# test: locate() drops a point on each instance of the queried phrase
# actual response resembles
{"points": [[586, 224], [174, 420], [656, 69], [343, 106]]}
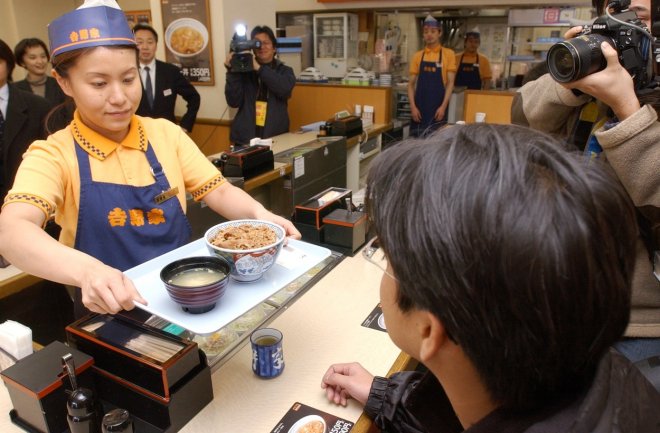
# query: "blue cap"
{"points": [[89, 27], [429, 21]]}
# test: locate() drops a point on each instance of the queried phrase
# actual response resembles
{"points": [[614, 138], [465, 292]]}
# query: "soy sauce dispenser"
{"points": [[81, 404]]}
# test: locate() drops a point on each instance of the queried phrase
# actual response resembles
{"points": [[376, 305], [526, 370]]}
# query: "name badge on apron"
{"points": [[261, 113]]}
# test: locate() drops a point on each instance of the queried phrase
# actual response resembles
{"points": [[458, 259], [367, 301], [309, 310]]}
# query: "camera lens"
{"points": [[576, 58]]}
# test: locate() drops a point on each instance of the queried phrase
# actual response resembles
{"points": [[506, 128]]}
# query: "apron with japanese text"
{"points": [[468, 74], [429, 94], [125, 225]]}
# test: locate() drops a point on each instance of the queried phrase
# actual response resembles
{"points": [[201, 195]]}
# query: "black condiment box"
{"points": [[247, 162], [38, 387], [148, 359], [164, 390], [345, 229], [312, 211]]}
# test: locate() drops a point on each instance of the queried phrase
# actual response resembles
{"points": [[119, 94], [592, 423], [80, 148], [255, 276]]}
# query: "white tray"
{"points": [[295, 259]]}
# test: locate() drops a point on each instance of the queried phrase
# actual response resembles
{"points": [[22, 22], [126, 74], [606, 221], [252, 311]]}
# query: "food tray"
{"points": [[295, 259]]}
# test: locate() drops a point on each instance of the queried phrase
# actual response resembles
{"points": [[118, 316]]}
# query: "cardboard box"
{"points": [[37, 387]]}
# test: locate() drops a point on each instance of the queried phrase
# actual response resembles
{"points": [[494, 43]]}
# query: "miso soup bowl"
{"points": [[196, 299], [247, 265]]}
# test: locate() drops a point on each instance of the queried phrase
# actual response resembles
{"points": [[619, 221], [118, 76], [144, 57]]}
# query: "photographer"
{"points": [[608, 121], [267, 87]]}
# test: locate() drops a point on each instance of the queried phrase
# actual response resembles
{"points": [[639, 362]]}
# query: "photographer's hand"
{"points": [[613, 85], [255, 64], [228, 59]]}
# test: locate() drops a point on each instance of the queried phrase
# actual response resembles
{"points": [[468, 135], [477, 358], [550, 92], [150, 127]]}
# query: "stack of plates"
{"points": [[385, 79]]}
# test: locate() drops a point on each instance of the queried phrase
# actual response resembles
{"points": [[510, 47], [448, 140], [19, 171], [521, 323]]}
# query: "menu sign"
{"points": [[305, 419], [375, 319], [187, 38]]}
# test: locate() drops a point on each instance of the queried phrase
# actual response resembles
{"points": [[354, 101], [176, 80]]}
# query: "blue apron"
{"points": [[124, 225], [429, 94], [468, 74]]}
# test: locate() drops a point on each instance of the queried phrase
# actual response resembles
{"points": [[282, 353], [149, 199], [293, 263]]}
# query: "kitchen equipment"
{"points": [[247, 162], [312, 74], [358, 77]]}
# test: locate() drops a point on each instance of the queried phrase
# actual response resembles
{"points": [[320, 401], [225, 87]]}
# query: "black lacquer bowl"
{"points": [[196, 283]]}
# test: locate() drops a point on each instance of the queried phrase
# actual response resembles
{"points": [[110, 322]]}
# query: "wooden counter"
{"points": [[13, 280], [320, 328]]}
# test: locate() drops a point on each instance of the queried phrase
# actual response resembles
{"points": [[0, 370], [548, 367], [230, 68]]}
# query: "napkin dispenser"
{"points": [[160, 378], [38, 389], [349, 126], [247, 162]]}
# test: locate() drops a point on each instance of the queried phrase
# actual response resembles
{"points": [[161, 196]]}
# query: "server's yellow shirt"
{"points": [[432, 55], [49, 177], [485, 71]]}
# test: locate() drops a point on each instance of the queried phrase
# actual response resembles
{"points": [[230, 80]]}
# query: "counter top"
{"points": [[322, 327]]}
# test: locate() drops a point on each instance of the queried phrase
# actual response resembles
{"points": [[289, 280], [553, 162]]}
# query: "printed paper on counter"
{"points": [[306, 419]]}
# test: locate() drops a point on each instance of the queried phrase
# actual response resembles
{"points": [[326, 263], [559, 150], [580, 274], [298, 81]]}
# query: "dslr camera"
{"points": [[242, 48], [576, 58]]}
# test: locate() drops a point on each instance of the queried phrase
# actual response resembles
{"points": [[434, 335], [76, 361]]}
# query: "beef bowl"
{"points": [[196, 283], [250, 246]]}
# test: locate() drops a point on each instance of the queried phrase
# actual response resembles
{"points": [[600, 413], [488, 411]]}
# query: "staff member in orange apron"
{"points": [[431, 83], [116, 182], [473, 68]]}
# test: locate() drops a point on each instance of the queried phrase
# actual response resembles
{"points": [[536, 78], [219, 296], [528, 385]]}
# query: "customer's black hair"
{"points": [[268, 31], [8, 56], [22, 47], [144, 26], [522, 250]]}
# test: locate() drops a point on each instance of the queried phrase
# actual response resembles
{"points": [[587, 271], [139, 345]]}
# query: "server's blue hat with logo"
{"points": [[95, 23], [429, 21]]}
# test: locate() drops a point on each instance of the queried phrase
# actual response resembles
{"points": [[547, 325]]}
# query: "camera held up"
{"points": [[580, 56], [242, 48]]}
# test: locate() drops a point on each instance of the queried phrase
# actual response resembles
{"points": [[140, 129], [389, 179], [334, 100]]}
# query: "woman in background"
{"points": [[32, 54]]}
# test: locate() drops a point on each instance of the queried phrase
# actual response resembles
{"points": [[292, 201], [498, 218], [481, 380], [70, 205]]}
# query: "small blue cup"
{"points": [[267, 355]]}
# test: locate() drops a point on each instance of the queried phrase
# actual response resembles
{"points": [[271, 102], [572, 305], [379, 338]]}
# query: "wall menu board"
{"points": [[187, 37]]}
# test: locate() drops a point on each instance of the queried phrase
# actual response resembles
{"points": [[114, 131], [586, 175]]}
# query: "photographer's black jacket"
{"points": [[242, 89]]}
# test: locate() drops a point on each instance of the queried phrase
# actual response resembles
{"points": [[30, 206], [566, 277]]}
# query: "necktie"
{"points": [[2, 127], [149, 89]]}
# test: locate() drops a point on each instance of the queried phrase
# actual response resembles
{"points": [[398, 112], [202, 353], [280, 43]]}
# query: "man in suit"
{"points": [[162, 82]]}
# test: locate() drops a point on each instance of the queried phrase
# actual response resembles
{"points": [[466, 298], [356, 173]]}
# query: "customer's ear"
{"points": [[432, 336]]}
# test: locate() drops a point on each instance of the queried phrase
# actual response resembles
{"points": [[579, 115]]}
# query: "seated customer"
{"points": [[508, 276]]}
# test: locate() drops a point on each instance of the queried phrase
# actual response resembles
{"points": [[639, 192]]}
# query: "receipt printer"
{"points": [[349, 126], [247, 162]]}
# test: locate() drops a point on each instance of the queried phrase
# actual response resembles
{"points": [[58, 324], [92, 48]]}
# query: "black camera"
{"points": [[242, 48], [576, 58]]}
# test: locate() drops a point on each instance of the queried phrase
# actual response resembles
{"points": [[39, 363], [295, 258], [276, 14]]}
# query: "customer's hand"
{"points": [[613, 85], [344, 381]]}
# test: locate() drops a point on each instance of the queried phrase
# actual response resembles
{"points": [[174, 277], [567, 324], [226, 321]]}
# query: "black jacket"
{"points": [[170, 82], [61, 117], [620, 399], [24, 124], [241, 91]]}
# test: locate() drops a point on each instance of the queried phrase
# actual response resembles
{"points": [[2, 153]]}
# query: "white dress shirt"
{"points": [[4, 100]]}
